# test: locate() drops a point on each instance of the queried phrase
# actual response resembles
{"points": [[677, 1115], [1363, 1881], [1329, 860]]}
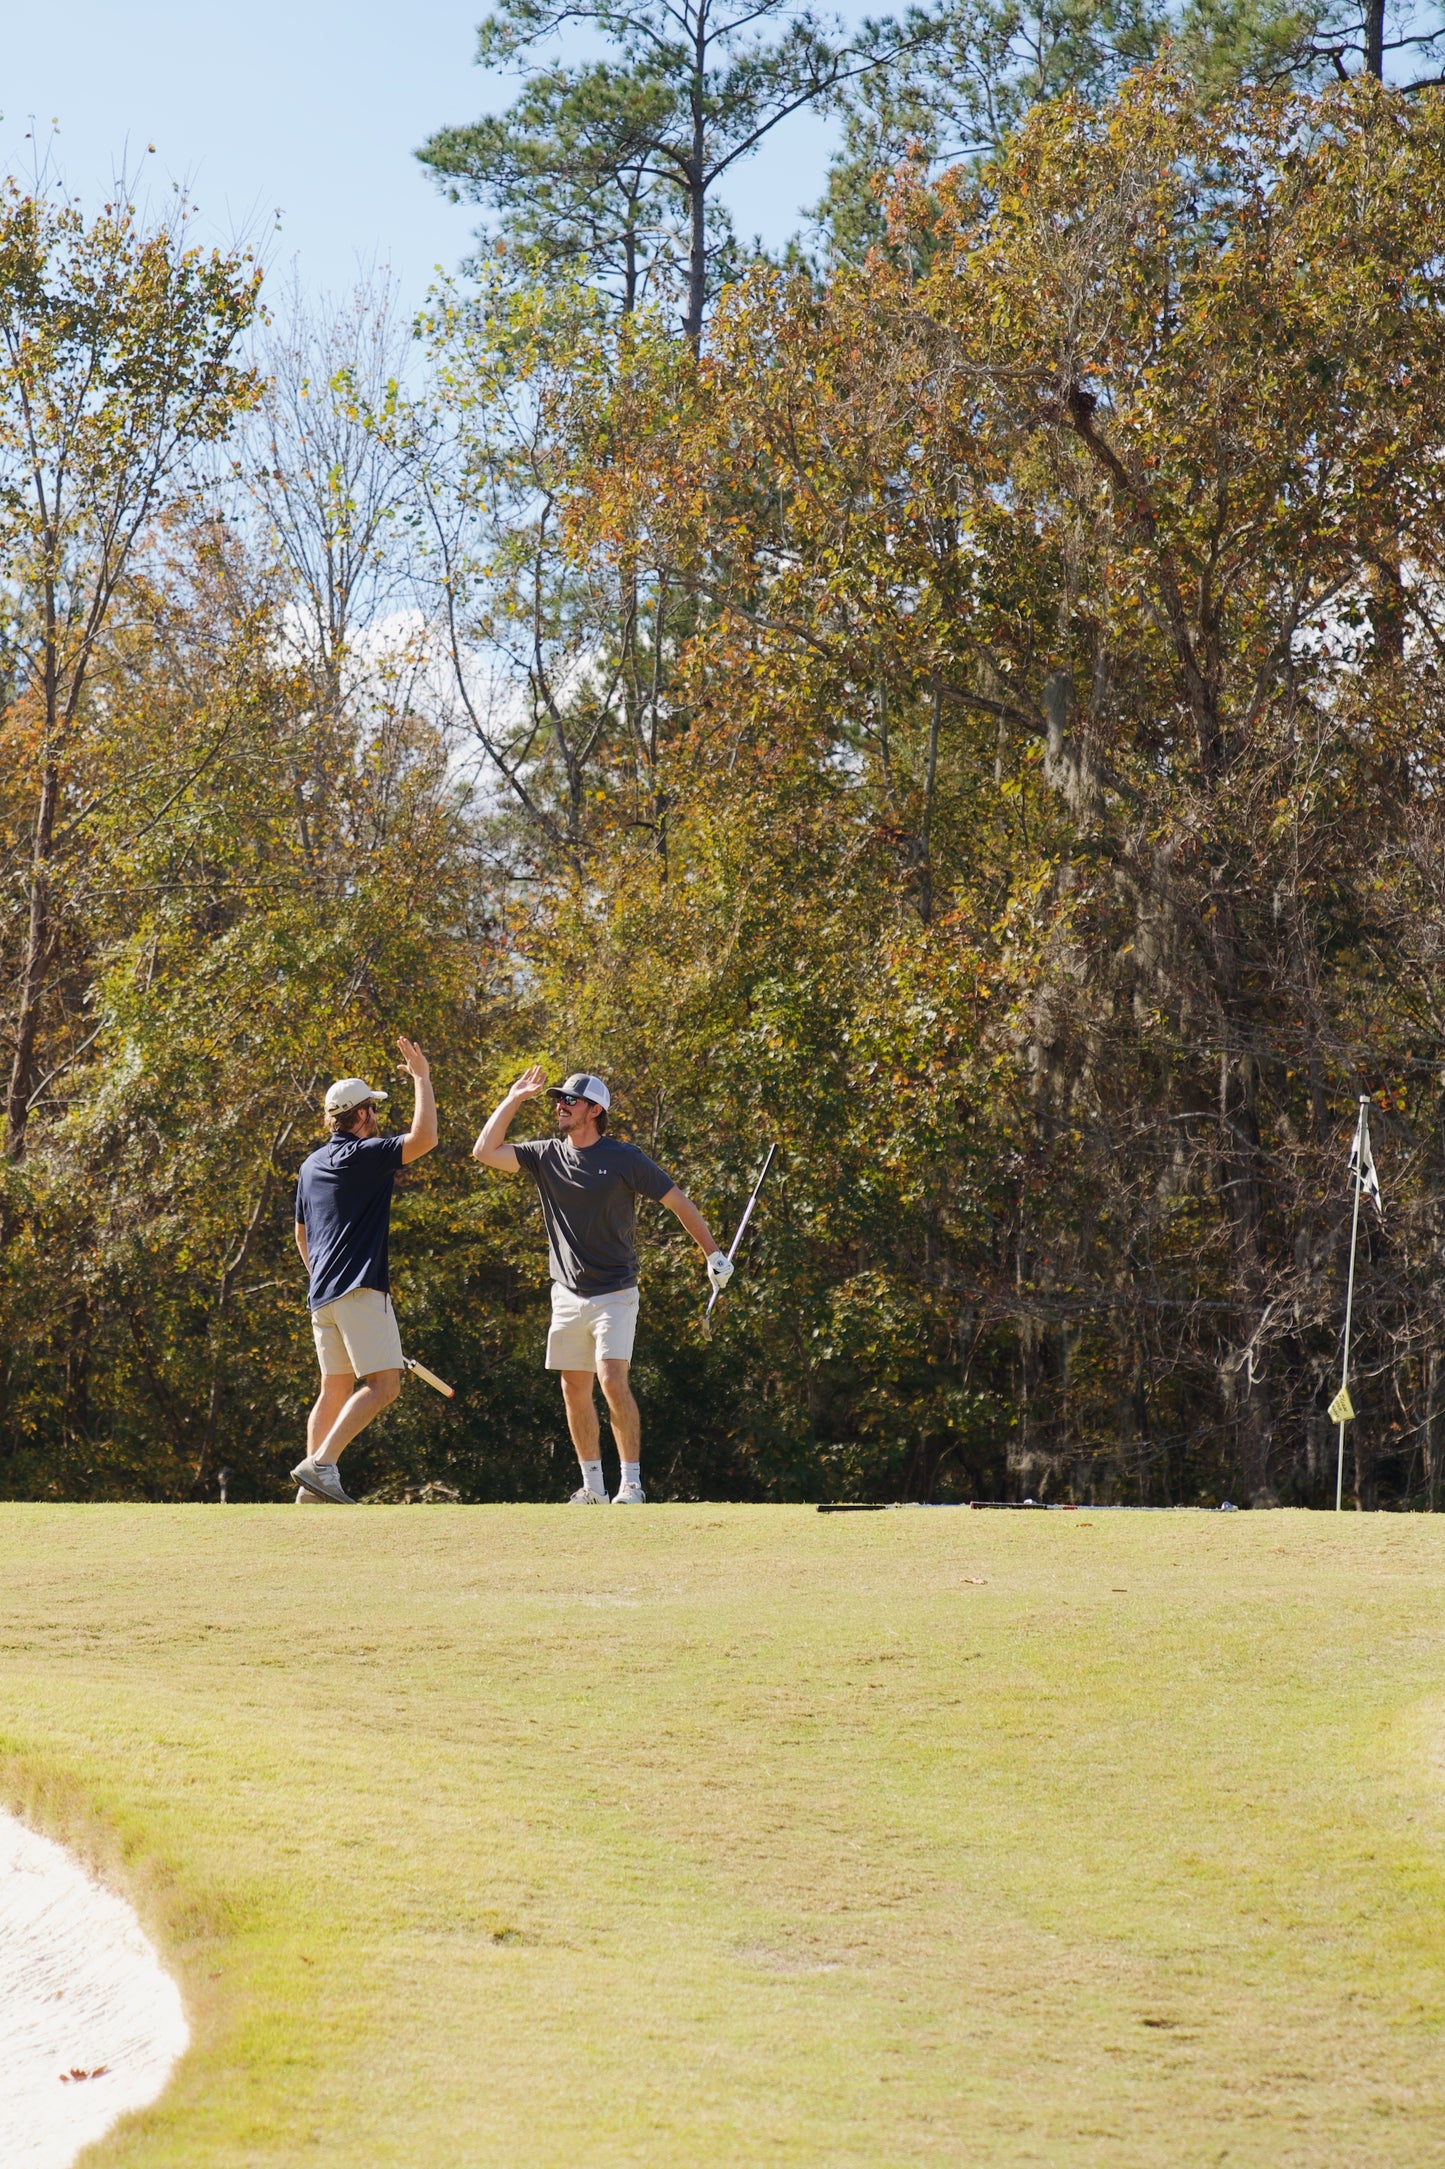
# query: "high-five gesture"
{"points": [[413, 1061], [491, 1148], [422, 1135]]}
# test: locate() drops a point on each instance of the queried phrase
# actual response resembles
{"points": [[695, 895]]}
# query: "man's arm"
{"points": [[301, 1244], [491, 1148], [691, 1219], [422, 1135]]}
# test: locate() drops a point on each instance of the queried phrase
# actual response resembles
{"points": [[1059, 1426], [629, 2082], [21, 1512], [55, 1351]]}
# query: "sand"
{"points": [[91, 2024]]}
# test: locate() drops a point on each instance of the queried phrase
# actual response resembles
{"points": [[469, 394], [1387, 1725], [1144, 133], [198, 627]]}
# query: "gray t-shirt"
{"points": [[589, 1202]]}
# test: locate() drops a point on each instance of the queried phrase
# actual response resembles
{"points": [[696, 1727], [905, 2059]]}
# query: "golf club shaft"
{"points": [[742, 1224]]}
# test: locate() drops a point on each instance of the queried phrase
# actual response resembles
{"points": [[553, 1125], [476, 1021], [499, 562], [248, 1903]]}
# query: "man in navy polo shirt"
{"points": [[343, 1224]]}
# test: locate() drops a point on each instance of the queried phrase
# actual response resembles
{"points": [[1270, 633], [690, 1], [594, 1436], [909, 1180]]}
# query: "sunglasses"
{"points": [[568, 1099]]}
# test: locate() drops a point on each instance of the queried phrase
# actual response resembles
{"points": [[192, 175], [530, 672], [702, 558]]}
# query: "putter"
{"points": [[747, 1216], [429, 1378]]}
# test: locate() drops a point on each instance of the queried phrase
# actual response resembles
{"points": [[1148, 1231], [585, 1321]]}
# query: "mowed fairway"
{"points": [[732, 1835]]}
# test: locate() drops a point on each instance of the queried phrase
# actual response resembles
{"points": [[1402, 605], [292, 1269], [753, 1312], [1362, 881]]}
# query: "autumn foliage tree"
{"points": [[118, 362], [977, 724], [1097, 558]]}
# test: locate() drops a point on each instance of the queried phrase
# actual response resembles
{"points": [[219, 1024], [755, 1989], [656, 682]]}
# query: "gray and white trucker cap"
{"points": [[585, 1086]]}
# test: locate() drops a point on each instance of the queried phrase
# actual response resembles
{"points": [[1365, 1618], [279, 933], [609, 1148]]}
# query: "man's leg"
{"points": [[335, 1393], [317, 1474], [621, 1407], [612, 1376], [356, 1339], [581, 1413], [372, 1395], [333, 1397], [585, 1433]]}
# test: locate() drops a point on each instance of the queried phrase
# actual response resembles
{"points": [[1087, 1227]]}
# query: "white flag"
{"points": [[1362, 1158]]}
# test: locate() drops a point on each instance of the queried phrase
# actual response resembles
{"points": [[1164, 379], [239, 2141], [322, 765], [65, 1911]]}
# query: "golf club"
{"points": [[747, 1216], [429, 1378]]}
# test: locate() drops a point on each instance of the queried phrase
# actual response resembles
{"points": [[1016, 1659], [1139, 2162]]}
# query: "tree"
{"points": [[320, 468], [571, 173], [1389, 43], [590, 159], [968, 74], [230, 942], [1121, 489], [965, 74], [530, 635], [118, 359], [603, 176]]}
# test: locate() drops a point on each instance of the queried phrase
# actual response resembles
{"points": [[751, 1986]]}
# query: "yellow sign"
{"points": [[1342, 1408]]}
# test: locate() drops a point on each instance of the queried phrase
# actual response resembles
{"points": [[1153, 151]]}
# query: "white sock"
{"points": [[632, 1472], [592, 1479]]}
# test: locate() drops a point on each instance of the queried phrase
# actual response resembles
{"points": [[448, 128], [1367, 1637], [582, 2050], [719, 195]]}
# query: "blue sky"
{"points": [[309, 110]]}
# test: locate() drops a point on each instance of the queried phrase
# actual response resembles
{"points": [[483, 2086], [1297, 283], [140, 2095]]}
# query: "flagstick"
{"points": [[1350, 1291]]}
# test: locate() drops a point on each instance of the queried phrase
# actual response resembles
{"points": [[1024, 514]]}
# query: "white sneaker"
{"points": [[584, 1497], [307, 1498], [322, 1478], [630, 1495]]}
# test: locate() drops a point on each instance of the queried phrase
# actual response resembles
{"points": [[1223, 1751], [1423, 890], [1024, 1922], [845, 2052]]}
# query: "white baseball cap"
{"points": [[583, 1086], [349, 1092]]}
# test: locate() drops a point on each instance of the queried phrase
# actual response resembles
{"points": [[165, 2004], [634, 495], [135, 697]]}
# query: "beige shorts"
{"points": [[357, 1335], [588, 1328]]}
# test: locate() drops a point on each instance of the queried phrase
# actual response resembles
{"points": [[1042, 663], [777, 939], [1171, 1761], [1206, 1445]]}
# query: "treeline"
{"points": [[961, 702]]}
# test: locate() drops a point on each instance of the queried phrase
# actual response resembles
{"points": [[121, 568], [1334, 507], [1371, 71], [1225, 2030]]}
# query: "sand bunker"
{"points": [[90, 2022]]}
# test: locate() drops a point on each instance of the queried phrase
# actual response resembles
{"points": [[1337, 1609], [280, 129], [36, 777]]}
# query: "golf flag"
{"points": [[1362, 1158], [1362, 1169]]}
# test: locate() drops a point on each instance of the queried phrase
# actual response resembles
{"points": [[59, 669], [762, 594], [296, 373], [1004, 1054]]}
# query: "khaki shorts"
{"points": [[586, 1329], [357, 1335]]}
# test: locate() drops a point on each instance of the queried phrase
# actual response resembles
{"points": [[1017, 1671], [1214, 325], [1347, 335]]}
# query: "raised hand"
{"points": [[413, 1061], [531, 1082]]}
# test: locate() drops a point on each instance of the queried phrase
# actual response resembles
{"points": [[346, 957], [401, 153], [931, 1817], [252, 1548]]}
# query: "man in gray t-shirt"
{"points": [[589, 1206], [589, 1185]]}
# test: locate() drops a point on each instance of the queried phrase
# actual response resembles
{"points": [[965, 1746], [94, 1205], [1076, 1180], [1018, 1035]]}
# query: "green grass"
{"points": [[733, 1835]]}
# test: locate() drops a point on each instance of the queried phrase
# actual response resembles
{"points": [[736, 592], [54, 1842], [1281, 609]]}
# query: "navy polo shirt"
{"points": [[343, 1200]]}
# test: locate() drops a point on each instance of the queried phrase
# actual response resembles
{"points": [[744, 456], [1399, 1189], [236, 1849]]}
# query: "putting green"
{"points": [[732, 1835]]}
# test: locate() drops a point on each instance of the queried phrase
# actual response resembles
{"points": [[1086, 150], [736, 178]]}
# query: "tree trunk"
{"points": [[697, 192], [1240, 1155], [230, 1273], [923, 848], [1139, 1413], [1432, 1444], [1366, 1492], [35, 969], [77, 1376], [1375, 39], [696, 256]]}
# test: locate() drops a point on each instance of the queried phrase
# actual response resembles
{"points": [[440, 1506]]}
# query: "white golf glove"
{"points": [[719, 1270]]}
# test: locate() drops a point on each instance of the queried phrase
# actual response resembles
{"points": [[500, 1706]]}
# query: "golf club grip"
{"points": [[429, 1378]]}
